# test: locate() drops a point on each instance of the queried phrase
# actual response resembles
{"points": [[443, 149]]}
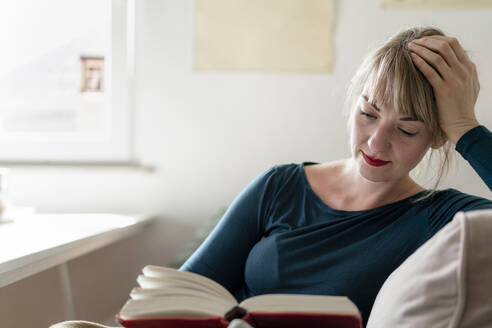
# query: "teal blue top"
{"points": [[279, 237]]}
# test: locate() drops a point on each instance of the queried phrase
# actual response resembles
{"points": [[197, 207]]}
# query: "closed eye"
{"points": [[366, 114], [408, 133]]}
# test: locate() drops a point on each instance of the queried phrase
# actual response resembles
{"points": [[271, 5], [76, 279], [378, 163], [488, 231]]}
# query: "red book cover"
{"points": [[291, 320], [257, 320], [170, 322]]}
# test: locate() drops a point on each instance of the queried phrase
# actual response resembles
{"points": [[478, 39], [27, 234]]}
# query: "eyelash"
{"points": [[404, 132]]}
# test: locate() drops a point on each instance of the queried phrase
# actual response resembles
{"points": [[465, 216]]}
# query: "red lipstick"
{"points": [[374, 161]]}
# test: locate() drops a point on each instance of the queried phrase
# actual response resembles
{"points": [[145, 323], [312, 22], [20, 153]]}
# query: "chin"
{"points": [[373, 177], [373, 174]]}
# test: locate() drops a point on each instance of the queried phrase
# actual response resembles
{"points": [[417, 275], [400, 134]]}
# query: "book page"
{"points": [[150, 283], [181, 306], [157, 277], [297, 303], [146, 293]]}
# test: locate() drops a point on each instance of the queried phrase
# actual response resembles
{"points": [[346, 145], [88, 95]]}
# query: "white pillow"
{"points": [[447, 282]]}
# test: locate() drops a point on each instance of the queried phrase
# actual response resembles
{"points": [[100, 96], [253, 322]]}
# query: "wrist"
{"points": [[457, 132]]}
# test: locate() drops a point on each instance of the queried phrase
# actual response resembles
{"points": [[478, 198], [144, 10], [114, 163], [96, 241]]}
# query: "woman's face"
{"points": [[385, 145]]}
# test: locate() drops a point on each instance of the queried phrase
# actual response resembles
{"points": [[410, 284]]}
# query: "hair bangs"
{"points": [[394, 80]]}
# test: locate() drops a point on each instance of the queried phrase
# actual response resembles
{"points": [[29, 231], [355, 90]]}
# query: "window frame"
{"points": [[118, 147]]}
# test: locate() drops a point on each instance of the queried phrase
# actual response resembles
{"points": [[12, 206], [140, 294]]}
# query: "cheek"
{"points": [[356, 137], [358, 131], [414, 154]]}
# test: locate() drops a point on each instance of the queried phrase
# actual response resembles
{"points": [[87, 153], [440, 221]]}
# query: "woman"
{"points": [[340, 228]]}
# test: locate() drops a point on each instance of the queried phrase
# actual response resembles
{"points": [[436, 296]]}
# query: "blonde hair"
{"points": [[389, 76]]}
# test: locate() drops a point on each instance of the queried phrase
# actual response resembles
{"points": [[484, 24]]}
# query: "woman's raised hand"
{"points": [[454, 79]]}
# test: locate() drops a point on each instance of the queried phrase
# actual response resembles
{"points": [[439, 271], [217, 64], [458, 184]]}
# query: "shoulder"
{"points": [[330, 168], [287, 175], [278, 173], [313, 171], [454, 194], [444, 204], [289, 169]]}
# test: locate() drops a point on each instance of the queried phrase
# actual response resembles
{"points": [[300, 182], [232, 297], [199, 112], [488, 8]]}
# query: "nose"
{"points": [[380, 140]]}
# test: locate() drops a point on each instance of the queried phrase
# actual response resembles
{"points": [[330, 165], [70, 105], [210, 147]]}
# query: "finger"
{"points": [[436, 60], [440, 46], [458, 50], [429, 72]]}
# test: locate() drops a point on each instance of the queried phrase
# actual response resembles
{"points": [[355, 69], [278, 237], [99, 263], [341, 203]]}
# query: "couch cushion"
{"points": [[447, 282]]}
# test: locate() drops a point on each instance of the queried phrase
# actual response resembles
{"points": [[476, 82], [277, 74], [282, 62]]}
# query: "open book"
{"points": [[171, 298]]}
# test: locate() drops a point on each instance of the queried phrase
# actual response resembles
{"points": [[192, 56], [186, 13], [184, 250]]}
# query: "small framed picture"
{"points": [[92, 74]]}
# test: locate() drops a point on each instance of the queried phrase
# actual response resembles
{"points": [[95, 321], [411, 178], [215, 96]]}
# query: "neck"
{"points": [[372, 194]]}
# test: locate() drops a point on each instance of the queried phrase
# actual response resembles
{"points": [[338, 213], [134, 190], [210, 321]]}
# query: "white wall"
{"points": [[209, 134]]}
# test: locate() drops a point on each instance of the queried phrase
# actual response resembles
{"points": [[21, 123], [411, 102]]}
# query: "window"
{"points": [[65, 80]]}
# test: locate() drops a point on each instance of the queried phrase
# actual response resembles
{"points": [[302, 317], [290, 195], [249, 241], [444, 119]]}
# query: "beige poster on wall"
{"points": [[264, 35], [437, 4]]}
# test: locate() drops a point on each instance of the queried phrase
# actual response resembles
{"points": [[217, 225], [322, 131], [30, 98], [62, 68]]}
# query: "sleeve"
{"points": [[476, 147], [222, 256], [444, 207]]}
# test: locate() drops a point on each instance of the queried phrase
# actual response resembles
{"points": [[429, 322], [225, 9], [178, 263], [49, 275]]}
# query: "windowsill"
{"points": [[130, 165], [36, 242]]}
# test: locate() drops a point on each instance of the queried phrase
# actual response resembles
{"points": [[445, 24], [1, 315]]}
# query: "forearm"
{"points": [[476, 147]]}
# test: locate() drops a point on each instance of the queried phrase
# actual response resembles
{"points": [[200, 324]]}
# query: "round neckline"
{"points": [[319, 200]]}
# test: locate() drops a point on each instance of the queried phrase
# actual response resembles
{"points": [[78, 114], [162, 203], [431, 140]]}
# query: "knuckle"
{"points": [[441, 45], [444, 47], [439, 60]]}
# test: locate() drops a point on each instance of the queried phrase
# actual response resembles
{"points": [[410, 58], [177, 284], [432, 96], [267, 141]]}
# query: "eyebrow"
{"points": [[406, 118]]}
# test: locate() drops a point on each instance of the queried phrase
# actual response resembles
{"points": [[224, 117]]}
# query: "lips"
{"points": [[374, 161]]}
